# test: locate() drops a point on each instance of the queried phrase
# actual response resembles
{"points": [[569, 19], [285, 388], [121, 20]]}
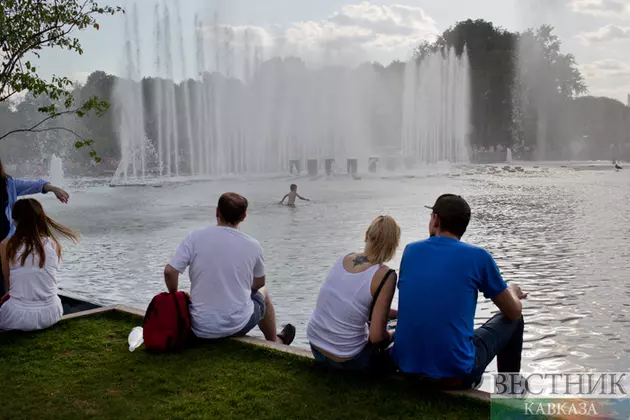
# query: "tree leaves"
{"points": [[26, 29]]}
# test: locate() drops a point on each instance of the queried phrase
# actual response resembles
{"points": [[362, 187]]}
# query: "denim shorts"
{"points": [[361, 361], [257, 316]]}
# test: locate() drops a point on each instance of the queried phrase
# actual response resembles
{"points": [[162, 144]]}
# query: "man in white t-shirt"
{"points": [[228, 297]]}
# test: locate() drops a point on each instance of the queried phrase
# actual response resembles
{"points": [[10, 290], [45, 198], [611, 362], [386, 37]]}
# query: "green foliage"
{"points": [[491, 52], [27, 28], [542, 47], [519, 81]]}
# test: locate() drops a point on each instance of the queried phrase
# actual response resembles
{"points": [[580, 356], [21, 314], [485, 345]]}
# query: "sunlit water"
{"points": [[564, 235]]}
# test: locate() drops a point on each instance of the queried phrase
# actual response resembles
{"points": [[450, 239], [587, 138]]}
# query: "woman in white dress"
{"points": [[30, 260]]}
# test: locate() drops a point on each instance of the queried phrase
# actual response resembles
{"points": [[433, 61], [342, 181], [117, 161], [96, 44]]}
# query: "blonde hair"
{"points": [[382, 239]]}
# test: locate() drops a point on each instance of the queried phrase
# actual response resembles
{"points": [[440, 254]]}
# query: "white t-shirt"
{"points": [[223, 263]]}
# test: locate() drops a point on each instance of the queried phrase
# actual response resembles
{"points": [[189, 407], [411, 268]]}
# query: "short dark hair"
{"points": [[454, 213], [232, 208], [293, 187]]}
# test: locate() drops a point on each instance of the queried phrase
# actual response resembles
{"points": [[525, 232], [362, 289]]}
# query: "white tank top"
{"points": [[31, 284], [339, 323]]}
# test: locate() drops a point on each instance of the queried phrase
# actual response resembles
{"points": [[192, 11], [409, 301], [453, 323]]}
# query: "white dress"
{"points": [[34, 304]]}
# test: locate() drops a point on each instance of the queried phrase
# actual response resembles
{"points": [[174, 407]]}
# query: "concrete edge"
{"points": [[276, 346], [88, 312], [129, 310], [474, 394]]}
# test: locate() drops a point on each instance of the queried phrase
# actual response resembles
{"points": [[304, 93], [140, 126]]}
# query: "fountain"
{"points": [[240, 114], [55, 174], [436, 109], [508, 158]]}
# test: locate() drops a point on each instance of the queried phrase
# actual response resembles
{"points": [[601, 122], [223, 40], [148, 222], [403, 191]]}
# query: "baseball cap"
{"points": [[451, 206]]}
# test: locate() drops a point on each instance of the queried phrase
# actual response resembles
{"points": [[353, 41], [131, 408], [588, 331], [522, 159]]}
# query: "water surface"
{"points": [[564, 235]]}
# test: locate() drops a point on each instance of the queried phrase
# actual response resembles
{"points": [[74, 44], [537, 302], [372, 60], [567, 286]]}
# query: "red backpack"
{"points": [[166, 324]]}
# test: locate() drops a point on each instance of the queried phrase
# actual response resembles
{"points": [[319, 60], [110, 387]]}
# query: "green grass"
{"points": [[83, 369]]}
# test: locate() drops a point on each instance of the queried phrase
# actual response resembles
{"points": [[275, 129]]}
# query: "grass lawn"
{"points": [[82, 368]]}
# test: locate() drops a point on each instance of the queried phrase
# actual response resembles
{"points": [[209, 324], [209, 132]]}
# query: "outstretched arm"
{"points": [[284, 198], [26, 187], [302, 198], [59, 193]]}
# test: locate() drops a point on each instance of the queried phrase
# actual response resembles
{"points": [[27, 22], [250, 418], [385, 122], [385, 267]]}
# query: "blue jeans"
{"points": [[500, 338], [259, 313], [362, 361]]}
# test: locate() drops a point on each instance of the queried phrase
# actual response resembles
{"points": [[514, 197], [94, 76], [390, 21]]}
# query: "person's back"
{"points": [[30, 260], [438, 288], [440, 279], [354, 303], [31, 284], [227, 275], [223, 264], [339, 322]]}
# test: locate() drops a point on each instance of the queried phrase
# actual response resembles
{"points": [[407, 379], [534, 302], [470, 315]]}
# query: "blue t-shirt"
{"points": [[439, 283]]}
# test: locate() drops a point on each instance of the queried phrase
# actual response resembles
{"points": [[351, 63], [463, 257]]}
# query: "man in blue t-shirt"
{"points": [[439, 282]]}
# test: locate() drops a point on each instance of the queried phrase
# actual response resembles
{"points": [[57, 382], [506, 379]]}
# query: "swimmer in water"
{"points": [[292, 195]]}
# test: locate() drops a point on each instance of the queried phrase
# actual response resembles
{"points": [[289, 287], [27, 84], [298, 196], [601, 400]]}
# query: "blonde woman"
{"points": [[349, 323]]}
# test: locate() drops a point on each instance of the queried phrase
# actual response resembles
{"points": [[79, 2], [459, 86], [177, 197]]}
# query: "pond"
{"points": [[562, 233]]}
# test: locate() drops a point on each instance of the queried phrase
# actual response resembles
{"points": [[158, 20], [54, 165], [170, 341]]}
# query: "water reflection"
{"points": [[563, 235]]}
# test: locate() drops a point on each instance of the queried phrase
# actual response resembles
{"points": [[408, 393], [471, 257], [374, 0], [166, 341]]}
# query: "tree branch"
{"points": [[7, 95], [86, 142], [43, 130], [34, 129]]}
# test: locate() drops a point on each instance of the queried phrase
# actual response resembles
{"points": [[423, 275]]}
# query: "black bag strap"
{"points": [[378, 292]]}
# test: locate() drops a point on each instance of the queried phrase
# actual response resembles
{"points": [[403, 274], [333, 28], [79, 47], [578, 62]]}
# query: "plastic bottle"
{"points": [[136, 338]]}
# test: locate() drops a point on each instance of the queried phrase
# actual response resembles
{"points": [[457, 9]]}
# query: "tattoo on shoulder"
{"points": [[360, 259]]}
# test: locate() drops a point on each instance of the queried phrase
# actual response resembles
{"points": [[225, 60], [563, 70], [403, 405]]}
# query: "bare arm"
{"points": [[302, 198], [171, 278], [382, 308], [59, 193], [259, 283], [178, 264], [5, 265], [509, 302], [284, 198]]}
